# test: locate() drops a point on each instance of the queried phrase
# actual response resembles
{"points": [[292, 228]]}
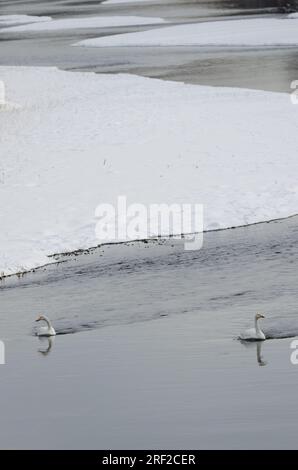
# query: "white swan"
{"points": [[45, 330], [254, 334]]}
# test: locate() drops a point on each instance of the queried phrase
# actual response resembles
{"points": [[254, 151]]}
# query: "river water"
{"points": [[147, 354]]}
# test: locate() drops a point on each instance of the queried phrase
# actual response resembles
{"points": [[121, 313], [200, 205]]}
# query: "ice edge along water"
{"points": [[244, 32], [80, 23], [80, 139], [12, 20]]}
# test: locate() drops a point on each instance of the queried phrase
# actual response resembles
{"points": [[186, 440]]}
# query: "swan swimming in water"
{"points": [[254, 334], [45, 330]]}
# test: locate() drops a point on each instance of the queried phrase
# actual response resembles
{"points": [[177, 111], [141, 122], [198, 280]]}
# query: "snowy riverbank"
{"points": [[82, 139], [244, 32], [13, 20], [49, 24]]}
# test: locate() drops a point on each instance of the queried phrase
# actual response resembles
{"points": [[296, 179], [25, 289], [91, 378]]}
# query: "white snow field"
{"points": [[4, 105], [246, 32], [84, 23], [2, 93], [81, 139], [11, 20]]}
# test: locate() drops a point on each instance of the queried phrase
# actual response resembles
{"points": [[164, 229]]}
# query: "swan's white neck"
{"points": [[258, 329], [47, 322]]}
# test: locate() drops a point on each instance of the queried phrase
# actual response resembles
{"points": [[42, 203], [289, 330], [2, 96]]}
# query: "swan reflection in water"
{"points": [[258, 345], [47, 343]]}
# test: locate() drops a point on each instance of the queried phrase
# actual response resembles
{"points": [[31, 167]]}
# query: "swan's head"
{"points": [[41, 317], [259, 315]]}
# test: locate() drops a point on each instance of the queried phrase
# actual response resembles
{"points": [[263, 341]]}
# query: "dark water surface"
{"points": [[153, 361]]}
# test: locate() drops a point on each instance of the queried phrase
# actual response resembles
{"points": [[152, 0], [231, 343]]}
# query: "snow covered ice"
{"points": [[81, 139], [81, 23], [2, 93], [12, 20], [244, 32]]}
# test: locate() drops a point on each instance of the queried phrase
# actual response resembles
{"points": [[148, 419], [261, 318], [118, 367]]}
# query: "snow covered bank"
{"points": [[4, 105], [84, 23], [247, 32], [11, 20], [82, 139], [2, 93]]}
